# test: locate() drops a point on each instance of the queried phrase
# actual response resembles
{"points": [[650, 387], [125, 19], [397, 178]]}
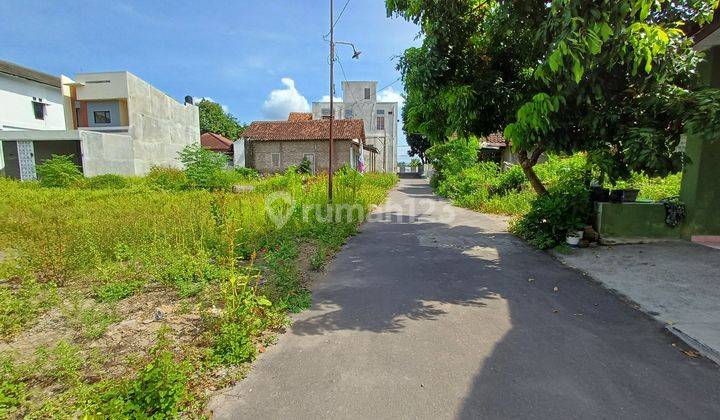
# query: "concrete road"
{"points": [[437, 312]]}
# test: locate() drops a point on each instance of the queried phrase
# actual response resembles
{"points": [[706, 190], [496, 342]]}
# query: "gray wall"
{"points": [[159, 125]]}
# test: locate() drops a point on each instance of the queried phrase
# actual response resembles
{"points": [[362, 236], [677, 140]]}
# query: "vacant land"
{"points": [[137, 298]]}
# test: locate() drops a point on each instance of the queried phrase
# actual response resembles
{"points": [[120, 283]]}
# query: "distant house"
{"points": [[360, 101], [112, 123], [217, 143], [273, 146]]}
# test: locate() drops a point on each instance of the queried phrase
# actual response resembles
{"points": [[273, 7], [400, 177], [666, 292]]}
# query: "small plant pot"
{"points": [[600, 194], [616, 196], [630, 195], [574, 238]]}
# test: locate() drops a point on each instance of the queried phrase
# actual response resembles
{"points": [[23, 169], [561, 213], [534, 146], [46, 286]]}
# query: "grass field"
{"points": [[138, 298]]}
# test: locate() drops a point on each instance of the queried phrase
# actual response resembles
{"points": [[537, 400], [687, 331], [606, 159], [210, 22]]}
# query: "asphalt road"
{"points": [[437, 312]]}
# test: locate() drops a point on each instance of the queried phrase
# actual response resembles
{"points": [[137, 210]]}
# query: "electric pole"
{"points": [[332, 111]]}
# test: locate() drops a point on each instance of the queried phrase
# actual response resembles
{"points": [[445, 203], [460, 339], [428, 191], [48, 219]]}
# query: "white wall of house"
{"points": [[16, 105], [360, 101]]}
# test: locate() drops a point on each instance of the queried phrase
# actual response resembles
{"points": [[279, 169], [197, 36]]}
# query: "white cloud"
{"points": [[326, 98], [391, 95], [282, 102], [197, 99]]}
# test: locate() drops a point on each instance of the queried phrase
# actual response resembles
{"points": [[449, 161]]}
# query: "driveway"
{"points": [[676, 282], [437, 312]]}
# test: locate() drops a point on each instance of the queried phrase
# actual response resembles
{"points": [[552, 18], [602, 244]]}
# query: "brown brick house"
{"points": [[273, 146]]}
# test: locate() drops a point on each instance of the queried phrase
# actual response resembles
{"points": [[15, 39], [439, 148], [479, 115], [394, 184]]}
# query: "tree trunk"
{"points": [[527, 163]]}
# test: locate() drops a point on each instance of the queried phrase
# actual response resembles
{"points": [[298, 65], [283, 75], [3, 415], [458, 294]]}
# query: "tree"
{"points": [[615, 79], [213, 119], [418, 143]]}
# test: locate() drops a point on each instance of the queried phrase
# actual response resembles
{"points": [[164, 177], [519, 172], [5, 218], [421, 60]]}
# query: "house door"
{"points": [[26, 159]]}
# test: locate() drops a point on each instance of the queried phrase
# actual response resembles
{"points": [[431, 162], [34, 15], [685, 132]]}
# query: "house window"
{"points": [[275, 159], [39, 110], [348, 114], [381, 112], [326, 112], [380, 123], [101, 117], [367, 93]]}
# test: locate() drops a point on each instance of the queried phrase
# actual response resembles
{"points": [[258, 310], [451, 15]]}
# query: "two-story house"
{"points": [[111, 122], [359, 101]]}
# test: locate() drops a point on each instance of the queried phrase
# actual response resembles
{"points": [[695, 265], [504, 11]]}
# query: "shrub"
{"points": [[233, 345], [168, 179], [107, 181], [564, 208], [246, 174], [305, 167], [481, 176], [512, 179], [117, 291], [206, 169], [59, 171], [161, 386]]}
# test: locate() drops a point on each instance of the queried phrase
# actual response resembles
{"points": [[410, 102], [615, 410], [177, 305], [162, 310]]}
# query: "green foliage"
{"points": [[161, 386], [564, 208], [513, 179], [305, 167], [246, 174], [617, 80], [414, 163], [117, 291], [654, 189], [213, 119], [205, 169], [81, 251], [233, 345], [168, 179], [108, 181], [59, 171]]}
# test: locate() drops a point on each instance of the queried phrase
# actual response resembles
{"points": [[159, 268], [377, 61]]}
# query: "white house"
{"points": [[381, 119], [111, 122]]}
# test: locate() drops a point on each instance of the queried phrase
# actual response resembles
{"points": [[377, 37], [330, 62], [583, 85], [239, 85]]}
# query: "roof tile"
{"points": [[305, 130]]}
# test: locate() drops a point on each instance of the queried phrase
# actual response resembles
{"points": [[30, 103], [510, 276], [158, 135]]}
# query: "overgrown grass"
{"points": [[90, 252]]}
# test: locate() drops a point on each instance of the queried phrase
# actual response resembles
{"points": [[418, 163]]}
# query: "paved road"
{"points": [[428, 313]]}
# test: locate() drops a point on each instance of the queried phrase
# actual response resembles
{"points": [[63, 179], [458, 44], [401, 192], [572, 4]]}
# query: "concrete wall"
{"points": [[107, 153], [102, 86], [700, 190], [633, 220], [16, 109], [291, 154], [160, 126]]}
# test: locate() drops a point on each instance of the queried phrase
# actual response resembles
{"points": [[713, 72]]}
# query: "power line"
{"points": [[338, 17], [396, 80]]}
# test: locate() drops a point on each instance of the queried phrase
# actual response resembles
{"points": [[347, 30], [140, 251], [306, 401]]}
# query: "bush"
{"points": [[206, 169], [168, 179], [305, 167], [59, 171], [564, 208], [161, 386], [512, 179], [233, 345], [108, 181], [246, 174]]}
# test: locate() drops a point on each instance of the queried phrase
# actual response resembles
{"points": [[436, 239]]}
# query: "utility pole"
{"points": [[332, 111]]}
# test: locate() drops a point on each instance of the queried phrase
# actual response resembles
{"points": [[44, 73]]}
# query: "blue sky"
{"points": [[235, 52]]}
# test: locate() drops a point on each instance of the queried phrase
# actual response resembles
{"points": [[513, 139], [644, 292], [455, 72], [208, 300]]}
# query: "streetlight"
{"points": [[356, 55]]}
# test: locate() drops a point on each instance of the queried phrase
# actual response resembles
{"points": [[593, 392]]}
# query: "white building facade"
{"points": [[381, 119], [111, 123]]}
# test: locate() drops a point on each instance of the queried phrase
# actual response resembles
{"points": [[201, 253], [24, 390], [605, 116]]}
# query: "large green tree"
{"points": [[616, 79], [214, 119]]}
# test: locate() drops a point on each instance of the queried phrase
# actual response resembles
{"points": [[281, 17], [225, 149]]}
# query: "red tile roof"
{"points": [[300, 116], [216, 142], [305, 130], [496, 140]]}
